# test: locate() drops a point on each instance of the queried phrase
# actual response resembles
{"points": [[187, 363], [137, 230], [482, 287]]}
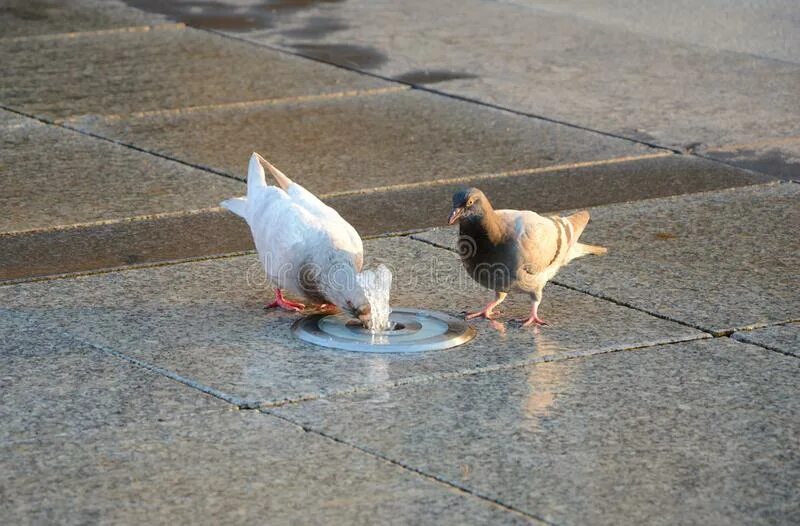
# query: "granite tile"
{"points": [[53, 176], [712, 265], [220, 468], [781, 338], [43, 17], [204, 321], [166, 68], [568, 68], [122, 244], [392, 211], [361, 142], [767, 29], [51, 384], [696, 433]]}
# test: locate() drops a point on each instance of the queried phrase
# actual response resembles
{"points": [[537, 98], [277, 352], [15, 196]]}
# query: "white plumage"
{"points": [[305, 246]]}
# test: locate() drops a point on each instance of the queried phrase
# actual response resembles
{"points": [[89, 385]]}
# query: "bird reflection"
{"points": [[545, 381]]}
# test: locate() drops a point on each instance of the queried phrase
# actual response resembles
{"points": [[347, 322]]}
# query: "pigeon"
{"points": [[506, 250], [305, 246]]}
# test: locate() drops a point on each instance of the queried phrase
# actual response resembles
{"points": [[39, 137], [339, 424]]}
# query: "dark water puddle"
{"points": [[432, 76], [773, 162], [358, 57], [218, 14]]}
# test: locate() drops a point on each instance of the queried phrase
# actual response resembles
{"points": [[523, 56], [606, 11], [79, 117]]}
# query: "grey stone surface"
{"points": [[121, 244], [43, 17], [52, 384], [698, 433], [699, 259], [360, 142], [162, 69], [779, 157], [204, 321], [53, 176], [769, 29], [782, 338], [601, 184], [565, 68], [220, 468]]}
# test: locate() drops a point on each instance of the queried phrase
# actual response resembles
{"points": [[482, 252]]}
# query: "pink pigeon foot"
{"points": [[534, 318], [487, 312], [283, 303]]}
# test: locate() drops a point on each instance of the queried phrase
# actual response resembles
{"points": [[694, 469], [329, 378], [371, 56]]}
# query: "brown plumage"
{"points": [[507, 250]]}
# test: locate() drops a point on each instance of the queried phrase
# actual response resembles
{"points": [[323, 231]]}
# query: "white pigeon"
{"points": [[305, 246]]}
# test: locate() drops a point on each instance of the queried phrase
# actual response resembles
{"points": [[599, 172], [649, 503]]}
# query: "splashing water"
{"points": [[377, 285]]}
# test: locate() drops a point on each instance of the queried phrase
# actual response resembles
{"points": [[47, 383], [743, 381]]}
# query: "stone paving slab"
{"points": [[698, 433], [53, 384], [205, 321], [360, 142], [167, 68], [224, 467], [121, 244], [559, 66], [559, 189], [54, 176], [42, 17], [718, 260], [767, 29], [782, 338]]}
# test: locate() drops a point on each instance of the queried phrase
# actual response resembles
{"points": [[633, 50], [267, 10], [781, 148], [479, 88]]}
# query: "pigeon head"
{"points": [[341, 288], [468, 204]]}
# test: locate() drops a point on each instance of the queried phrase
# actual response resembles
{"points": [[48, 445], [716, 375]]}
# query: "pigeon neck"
{"points": [[487, 225]]}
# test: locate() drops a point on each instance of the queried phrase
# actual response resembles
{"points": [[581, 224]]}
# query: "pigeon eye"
{"points": [[470, 202]]}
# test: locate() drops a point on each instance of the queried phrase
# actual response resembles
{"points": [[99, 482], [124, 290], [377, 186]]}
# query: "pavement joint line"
{"points": [[775, 141], [234, 400], [119, 143], [426, 379], [407, 467], [223, 106], [115, 221], [462, 98], [497, 175], [422, 87], [739, 339], [167, 26], [333, 195], [599, 296], [124, 268]]}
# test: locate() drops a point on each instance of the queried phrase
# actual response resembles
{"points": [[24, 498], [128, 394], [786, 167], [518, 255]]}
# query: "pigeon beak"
{"points": [[455, 214]]}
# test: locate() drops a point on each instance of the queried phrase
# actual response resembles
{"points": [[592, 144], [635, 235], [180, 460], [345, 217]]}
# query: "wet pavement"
{"points": [[140, 379]]}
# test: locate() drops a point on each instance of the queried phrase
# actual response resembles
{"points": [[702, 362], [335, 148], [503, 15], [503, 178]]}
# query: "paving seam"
{"points": [[332, 195], [146, 28], [497, 175], [740, 338], [426, 379], [462, 98], [452, 485], [224, 106], [596, 295]]}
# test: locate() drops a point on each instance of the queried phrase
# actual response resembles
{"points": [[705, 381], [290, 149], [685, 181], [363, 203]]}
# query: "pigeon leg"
{"points": [[487, 312], [534, 317], [283, 303]]}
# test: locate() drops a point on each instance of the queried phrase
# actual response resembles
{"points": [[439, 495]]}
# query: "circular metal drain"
{"points": [[413, 330]]}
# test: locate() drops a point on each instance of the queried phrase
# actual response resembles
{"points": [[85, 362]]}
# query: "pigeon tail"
{"points": [[236, 205], [583, 249], [279, 176], [256, 181]]}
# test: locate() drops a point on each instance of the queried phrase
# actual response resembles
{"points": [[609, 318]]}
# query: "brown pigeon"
{"points": [[506, 250]]}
